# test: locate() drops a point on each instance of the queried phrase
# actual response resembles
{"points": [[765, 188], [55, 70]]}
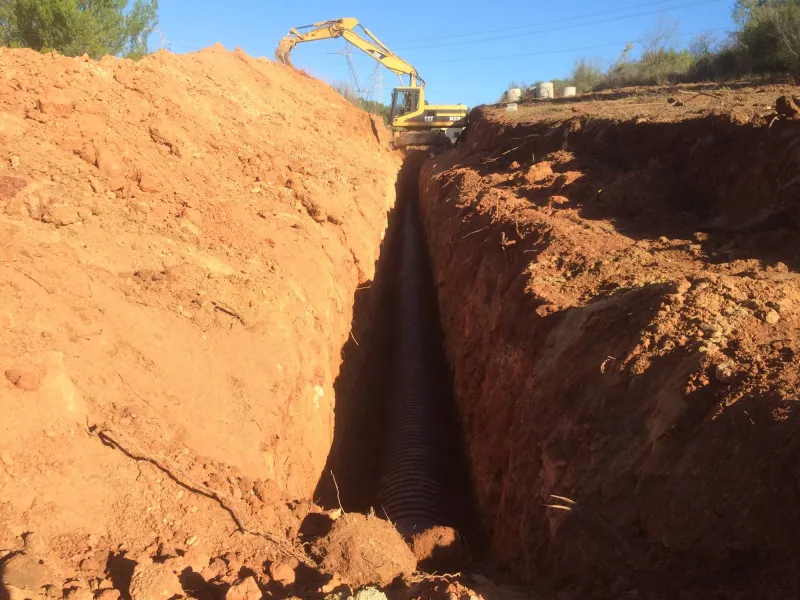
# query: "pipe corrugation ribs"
{"points": [[411, 491]]}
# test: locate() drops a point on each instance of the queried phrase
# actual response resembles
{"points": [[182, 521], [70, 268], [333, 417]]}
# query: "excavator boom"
{"points": [[416, 120], [346, 28]]}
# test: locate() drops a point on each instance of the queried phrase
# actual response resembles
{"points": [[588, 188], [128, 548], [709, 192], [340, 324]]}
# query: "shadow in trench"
{"points": [[354, 459], [363, 386]]}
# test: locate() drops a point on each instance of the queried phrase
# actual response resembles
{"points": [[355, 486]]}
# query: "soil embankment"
{"points": [[619, 295], [181, 240]]}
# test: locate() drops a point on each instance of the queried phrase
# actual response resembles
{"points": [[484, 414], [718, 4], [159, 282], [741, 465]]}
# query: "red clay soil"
{"points": [[620, 299], [180, 242]]}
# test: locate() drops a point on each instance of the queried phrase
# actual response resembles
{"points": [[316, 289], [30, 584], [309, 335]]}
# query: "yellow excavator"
{"points": [[414, 121]]}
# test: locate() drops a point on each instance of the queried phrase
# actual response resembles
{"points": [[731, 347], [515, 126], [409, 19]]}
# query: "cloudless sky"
{"points": [[467, 51]]}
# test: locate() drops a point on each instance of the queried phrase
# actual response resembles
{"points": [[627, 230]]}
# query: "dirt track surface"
{"points": [[619, 294], [180, 242]]}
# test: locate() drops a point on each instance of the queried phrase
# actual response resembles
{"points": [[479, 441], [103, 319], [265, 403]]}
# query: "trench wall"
{"points": [[593, 275]]}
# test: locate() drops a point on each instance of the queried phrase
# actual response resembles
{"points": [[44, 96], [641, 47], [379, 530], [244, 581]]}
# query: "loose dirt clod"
{"points": [[282, 573], [244, 589], [365, 551], [154, 581], [438, 549]]}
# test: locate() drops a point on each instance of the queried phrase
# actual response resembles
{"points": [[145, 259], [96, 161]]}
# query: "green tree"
{"points": [[769, 34], [77, 27], [586, 75]]}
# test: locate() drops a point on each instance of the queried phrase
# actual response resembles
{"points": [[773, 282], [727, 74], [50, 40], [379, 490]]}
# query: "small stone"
{"points": [[14, 161], [153, 581], [282, 573], [116, 183], [111, 594], [13, 375], [331, 585], [712, 330], [772, 317], [196, 559], [24, 380], [218, 566], [148, 183], [244, 589], [723, 373]]}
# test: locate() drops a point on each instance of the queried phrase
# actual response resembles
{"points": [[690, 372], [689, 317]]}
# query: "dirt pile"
{"points": [[619, 296], [181, 239]]}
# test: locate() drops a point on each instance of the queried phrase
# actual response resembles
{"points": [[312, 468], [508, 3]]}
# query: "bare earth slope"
{"points": [[618, 287], [180, 242]]}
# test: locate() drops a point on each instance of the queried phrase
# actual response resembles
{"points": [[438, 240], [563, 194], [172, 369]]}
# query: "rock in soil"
{"points": [[154, 581], [244, 589], [365, 551], [282, 573], [24, 572], [14, 593], [24, 380]]}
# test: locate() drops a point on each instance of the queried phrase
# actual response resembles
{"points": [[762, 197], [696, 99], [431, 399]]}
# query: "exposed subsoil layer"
{"points": [[181, 240], [188, 258], [196, 334], [618, 289]]}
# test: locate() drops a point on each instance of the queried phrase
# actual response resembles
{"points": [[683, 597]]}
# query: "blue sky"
{"points": [[467, 51]]}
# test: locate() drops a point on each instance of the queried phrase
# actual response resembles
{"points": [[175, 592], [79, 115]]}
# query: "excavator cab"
{"points": [[411, 111], [405, 101]]}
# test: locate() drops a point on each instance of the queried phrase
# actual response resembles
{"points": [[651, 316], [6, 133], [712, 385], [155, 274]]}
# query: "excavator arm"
{"points": [[346, 28]]}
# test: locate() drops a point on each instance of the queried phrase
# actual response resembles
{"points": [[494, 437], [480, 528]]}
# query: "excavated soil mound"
{"points": [[621, 305], [180, 242], [362, 550]]}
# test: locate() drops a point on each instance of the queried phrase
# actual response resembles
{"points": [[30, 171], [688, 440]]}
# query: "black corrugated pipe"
{"points": [[413, 488]]}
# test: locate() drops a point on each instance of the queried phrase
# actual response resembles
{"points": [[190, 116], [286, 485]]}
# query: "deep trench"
{"points": [[398, 448]]}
